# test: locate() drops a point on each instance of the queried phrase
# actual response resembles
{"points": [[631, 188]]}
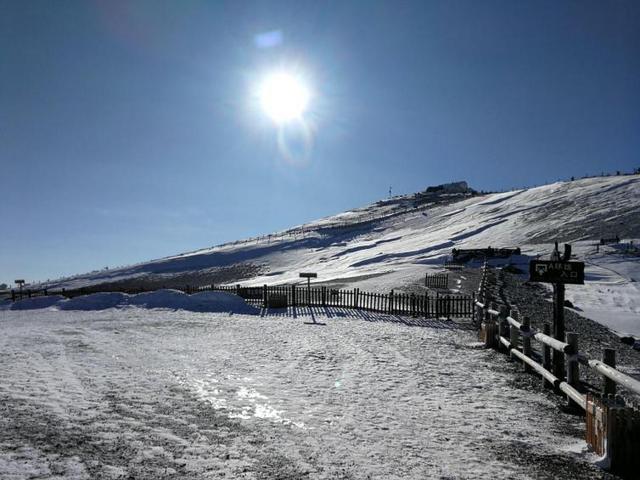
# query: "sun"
{"points": [[284, 97]]}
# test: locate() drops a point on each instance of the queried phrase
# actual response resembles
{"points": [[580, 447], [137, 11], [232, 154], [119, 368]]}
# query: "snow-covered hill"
{"points": [[393, 243]]}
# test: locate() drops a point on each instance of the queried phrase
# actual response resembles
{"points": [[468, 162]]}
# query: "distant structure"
{"points": [[389, 192], [454, 187]]}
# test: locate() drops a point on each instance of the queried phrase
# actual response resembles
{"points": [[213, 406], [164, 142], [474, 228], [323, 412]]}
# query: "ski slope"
{"points": [[392, 243]]}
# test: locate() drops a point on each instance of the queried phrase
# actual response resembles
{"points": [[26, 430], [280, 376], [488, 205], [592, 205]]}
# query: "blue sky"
{"points": [[128, 130]]}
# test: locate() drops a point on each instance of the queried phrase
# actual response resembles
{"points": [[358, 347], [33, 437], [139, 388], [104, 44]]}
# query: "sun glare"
{"points": [[284, 97]]}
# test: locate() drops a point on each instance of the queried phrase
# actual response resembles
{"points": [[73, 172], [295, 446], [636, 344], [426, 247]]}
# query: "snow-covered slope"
{"points": [[394, 242]]}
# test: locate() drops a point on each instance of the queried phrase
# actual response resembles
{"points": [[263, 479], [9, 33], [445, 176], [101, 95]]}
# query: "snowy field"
{"points": [[153, 394]]}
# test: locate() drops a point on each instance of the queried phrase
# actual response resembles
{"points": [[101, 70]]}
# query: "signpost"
{"points": [[557, 271], [308, 276], [20, 283]]}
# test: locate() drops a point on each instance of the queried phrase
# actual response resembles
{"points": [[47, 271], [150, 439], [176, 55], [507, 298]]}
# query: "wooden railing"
{"points": [[611, 427]]}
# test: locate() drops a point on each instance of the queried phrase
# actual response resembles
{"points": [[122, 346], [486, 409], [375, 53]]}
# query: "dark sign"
{"points": [[308, 275], [552, 271]]}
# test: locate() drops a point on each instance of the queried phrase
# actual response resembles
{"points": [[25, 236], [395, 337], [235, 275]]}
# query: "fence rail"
{"points": [[502, 329]]}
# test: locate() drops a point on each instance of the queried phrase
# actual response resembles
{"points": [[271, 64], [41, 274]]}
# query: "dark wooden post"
{"points": [[293, 295], [324, 296], [514, 332], [265, 300], [237, 289], [609, 358], [526, 341], [356, 295], [502, 325], [546, 355], [413, 304], [390, 306], [573, 369], [473, 307], [559, 330]]}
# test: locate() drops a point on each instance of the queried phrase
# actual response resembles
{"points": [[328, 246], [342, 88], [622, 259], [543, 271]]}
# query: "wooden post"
{"points": [[609, 358], [324, 296], [558, 329], [293, 295], [356, 298], [265, 300], [413, 304], [502, 322], [514, 332], [390, 306], [526, 341], [573, 369], [237, 289], [473, 307], [546, 355]]}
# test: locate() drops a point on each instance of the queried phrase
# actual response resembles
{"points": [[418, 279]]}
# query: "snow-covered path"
{"points": [[174, 394]]}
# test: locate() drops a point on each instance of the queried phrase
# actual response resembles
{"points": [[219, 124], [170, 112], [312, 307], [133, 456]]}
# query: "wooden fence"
{"points": [[503, 329], [459, 306], [449, 306], [438, 280]]}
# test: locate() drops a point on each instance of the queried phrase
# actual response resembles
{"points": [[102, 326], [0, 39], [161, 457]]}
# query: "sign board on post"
{"points": [[551, 271], [308, 275], [19, 281], [557, 271]]}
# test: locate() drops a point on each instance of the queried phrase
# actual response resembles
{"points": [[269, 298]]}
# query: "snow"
{"points": [[155, 393], [352, 248], [166, 299]]}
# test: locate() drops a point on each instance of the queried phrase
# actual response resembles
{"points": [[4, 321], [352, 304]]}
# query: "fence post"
{"points": [[502, 323], [324, 296], [293, 295], [265, 299], [473, 307], [356, 295], [413, 304], [609, 358], [513, 331], [573, 369], [546, 356], [526, 341], [390, 302]]}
